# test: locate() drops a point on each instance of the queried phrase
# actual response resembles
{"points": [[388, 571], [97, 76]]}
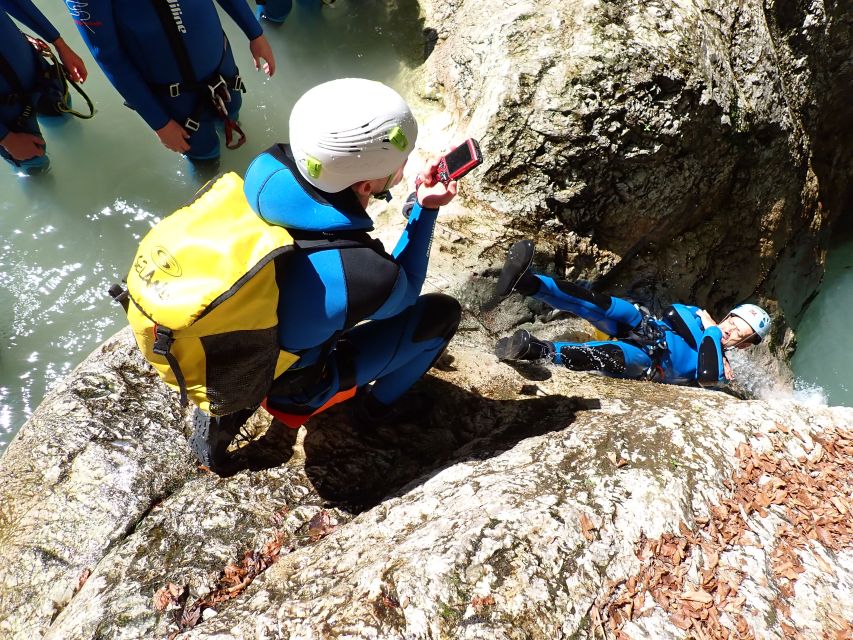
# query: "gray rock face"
{"points": [[525, 505], [695, 151]]}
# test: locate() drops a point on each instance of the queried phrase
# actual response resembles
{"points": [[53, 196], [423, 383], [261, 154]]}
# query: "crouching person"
{"points": [[352, 313]]}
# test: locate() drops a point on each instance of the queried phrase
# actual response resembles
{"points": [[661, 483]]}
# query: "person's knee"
{"points": [[439, 318]]}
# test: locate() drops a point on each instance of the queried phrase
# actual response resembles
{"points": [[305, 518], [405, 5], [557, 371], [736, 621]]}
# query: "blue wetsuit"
{"points": [[129, 42], [681, 352], [327, 290], [24, 64]]}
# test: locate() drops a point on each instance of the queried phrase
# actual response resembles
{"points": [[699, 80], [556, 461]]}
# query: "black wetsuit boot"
{"points": [[515, 274], [212, 434], [523, 346]]}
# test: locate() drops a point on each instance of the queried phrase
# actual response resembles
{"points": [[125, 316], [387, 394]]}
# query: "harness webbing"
{"points": [[189, 80]]}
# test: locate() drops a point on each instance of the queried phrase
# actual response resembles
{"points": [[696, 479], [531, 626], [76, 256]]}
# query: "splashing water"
{"points": [[765, 377]]}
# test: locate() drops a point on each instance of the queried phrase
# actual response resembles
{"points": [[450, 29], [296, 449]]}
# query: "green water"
{"points": [[65, 237], [823, 342]]}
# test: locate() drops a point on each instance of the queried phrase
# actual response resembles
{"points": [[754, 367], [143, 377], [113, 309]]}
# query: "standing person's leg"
{"points": [[228, 70], [204, 141], [275, 10]]}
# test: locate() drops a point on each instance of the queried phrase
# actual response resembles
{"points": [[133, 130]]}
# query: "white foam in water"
{"points": [[766, 377]]}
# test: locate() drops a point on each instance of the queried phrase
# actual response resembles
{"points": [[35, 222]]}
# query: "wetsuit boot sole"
{"points": [[514, 347]]}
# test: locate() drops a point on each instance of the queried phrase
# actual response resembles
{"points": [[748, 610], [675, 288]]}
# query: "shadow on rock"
{"points": [[272, 449], [356, 472]]}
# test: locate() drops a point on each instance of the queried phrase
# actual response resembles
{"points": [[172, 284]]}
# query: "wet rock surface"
{"points": [[524, 505]]}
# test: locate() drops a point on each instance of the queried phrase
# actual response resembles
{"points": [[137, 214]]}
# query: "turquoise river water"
{"points": [[65, 237]]}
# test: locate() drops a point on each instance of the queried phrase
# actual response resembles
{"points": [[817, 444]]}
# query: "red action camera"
{"points": [[459, 161]]}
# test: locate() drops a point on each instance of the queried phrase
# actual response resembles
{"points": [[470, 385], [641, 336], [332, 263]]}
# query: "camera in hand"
{"points": [[459, 161]]}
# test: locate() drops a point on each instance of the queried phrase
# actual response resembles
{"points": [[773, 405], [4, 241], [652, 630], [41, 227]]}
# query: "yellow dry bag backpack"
{"points": [[202, 296]]}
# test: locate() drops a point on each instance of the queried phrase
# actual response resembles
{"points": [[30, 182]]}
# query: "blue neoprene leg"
{"points": [[613, 357], [204, 143], [395, 353], [614, 316]]}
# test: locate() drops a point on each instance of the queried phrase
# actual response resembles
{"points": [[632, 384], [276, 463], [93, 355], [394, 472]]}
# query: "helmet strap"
{"points": [[385, 194]]}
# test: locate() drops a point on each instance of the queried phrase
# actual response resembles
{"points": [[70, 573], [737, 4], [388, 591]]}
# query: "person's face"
{"points": [[397, 178], [736, 332], [367, 188]]}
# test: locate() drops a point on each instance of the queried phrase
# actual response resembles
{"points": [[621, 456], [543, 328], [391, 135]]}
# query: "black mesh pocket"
{"points": [[240, 368]]}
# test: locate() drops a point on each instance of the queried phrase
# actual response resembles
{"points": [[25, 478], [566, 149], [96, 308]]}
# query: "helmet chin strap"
{"points": [[385, 193]]}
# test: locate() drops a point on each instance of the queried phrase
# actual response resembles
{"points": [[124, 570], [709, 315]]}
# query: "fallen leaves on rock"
{"points": [[479, 602], [81, 579], [237, 576], [587, 527], [320, 525], [170, 596], [811, 495]]}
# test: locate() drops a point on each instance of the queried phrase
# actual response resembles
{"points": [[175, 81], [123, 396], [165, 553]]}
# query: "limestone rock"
{"points": [[519, 508], [703, 147]]}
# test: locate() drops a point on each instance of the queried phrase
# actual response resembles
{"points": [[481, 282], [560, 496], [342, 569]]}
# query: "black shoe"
{"points": [[518, 260], [212, 434], [514, 275], [523, 346]]}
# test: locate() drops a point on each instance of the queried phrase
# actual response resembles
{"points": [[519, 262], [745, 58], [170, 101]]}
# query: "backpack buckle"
{"points": [[174, 90], [192, 125], [163, 340]]}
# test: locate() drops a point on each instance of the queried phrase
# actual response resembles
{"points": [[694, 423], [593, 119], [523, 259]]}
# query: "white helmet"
{"points": [[755, 317], [349, 130]]}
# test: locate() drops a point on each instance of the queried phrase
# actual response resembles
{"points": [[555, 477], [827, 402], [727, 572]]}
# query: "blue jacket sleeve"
{"points": [[241, 14], [412, 250], [102, 40], [28, 14]]}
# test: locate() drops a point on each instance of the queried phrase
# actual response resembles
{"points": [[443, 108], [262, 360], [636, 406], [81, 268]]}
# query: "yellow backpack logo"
{"points": [[202, 299]]}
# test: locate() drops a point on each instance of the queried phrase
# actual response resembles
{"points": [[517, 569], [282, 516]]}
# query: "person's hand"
{"points": [[23, 146], [705, 317], [432, 193], [71, 61], [261, 50], [727, 370], [174, 137]]}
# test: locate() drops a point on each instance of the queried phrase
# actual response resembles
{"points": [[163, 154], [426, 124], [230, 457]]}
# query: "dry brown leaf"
{"points": [[168, 595], [482, 601], [587, 527], [320, 525], [700, 596], [81, 579], [680, 621], [839, 504]]}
